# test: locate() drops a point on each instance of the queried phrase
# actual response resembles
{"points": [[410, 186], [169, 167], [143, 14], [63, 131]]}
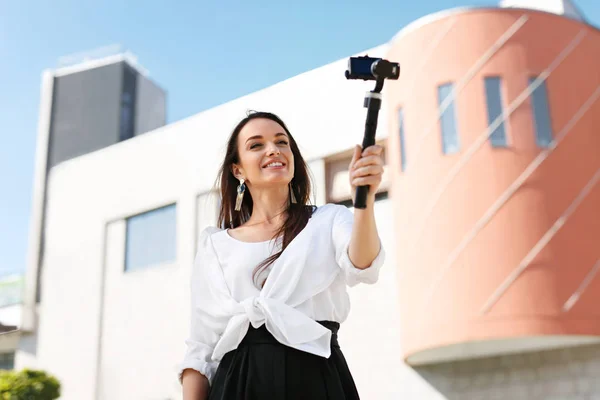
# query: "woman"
{"points": [[269, 289]]}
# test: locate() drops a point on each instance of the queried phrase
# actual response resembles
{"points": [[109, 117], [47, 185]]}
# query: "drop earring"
{"points": [[292, 195], [240, 195]]}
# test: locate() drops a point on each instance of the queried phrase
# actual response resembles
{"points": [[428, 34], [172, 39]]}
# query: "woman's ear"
{"points": [[237, 171]]}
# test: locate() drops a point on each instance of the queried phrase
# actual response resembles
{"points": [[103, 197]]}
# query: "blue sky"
{"points": [[203, 53]]}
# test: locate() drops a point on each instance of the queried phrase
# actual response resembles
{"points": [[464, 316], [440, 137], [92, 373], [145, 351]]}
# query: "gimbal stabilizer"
{"points": [[376, 69]]}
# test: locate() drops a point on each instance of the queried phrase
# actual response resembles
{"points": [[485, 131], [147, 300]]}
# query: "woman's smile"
{"points": [[276, 165]]}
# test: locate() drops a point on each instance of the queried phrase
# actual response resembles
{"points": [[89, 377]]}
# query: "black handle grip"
{"points": [[373, 104], [361, 197]]}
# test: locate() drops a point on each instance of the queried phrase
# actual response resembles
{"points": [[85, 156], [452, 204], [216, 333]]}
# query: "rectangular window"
{"points": [[127, 117], [493, 95], [402, 139], [337, 184], [7, 361], [541, 114], [151, 238], [450, 141]]}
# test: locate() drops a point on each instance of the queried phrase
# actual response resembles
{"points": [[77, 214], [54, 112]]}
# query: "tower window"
{"points": [[541, 114], [494, 101], [450, 140]]}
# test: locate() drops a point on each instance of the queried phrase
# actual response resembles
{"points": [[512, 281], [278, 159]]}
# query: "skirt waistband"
{"points": [[261, 335]]}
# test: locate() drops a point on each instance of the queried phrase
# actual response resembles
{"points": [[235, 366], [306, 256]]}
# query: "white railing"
{"points": [[517, 183], [507, 194], [460, 85], [483, 137], [93, 54], [586, 281], [559, 223]]}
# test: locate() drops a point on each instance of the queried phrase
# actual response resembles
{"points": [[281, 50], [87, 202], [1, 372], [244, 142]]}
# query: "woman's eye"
{"points": [[257, 145]]}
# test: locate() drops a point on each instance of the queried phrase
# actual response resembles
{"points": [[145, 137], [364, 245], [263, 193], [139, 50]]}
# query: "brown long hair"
{"points": [[297, 214]]}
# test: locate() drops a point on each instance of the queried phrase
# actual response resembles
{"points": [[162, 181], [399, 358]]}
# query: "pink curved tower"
{"points": [[494, 148]]}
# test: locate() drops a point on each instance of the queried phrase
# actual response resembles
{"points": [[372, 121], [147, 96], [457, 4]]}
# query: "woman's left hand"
{"points": [[366, 169]]}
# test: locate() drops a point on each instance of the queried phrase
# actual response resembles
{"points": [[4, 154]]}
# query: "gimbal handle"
{"points": [[373, 104]]}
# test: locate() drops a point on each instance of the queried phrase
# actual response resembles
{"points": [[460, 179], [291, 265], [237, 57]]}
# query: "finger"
{"points": [[368, 170], [370, 180], [373, 150], [355, 156], [368, 160]]}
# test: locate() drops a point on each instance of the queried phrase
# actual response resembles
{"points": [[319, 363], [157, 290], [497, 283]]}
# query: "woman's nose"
{"points": [[272, 149]]}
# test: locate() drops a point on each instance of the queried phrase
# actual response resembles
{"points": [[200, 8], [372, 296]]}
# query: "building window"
{"points": [[7, 361], [337, 184], [541, 114], [402, 139], [450, 140], [494, 100], [126, 121], [151, 238], [127, 117]]}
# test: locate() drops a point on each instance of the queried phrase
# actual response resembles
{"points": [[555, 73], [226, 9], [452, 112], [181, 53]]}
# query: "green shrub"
{"points": [[28, 385]]}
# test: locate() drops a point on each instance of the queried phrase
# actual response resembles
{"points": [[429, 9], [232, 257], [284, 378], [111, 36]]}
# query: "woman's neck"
{"points": [[269, 206]]}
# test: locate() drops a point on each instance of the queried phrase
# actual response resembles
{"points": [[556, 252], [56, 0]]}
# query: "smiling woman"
{"points": [[264, 157], [269, 283]]}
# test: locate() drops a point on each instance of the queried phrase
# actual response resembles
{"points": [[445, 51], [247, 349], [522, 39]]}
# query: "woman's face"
{"points": [[265, 155]]}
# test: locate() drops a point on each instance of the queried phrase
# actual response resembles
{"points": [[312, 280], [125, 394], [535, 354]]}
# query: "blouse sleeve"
{"points": [[206, 325], [342, 232]]}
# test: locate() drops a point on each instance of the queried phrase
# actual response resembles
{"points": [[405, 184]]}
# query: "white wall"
{"points": [[143, 315], [370, 338], [11, 315], [143, 322], [29, 318], [71, 279]]}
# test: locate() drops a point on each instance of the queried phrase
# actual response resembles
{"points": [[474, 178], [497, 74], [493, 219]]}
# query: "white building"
{"points": [[120, 224], [112, 326]]}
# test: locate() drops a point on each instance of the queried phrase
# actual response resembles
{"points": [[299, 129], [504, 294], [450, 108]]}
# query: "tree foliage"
{"points": [[28, 384]]}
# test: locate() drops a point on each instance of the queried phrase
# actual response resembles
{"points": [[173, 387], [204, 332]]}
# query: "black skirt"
{"points": [[261, 368]]}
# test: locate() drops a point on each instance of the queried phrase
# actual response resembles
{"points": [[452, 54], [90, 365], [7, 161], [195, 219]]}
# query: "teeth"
{"points": [[275, 164]]}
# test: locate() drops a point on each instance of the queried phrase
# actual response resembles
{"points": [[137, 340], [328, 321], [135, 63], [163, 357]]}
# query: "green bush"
{"points": [[28, 385]]}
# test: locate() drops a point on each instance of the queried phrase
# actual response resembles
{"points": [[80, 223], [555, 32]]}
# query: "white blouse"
{"points": [[307, 283]]}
